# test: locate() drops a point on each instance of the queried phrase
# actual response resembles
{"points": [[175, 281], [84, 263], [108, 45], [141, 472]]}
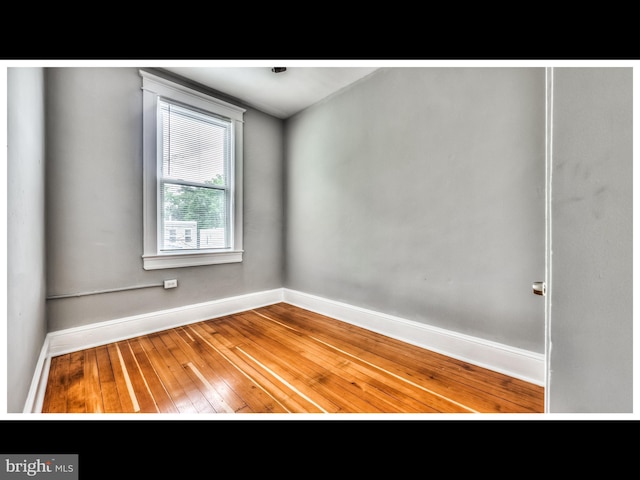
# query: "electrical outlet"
{"points": [[171, 283]]}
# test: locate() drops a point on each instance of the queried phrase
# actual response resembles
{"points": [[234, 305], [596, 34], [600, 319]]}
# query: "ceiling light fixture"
{"points": [[279, 69]]}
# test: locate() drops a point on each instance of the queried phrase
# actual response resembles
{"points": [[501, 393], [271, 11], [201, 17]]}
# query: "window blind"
{"points": [[194, 179]]}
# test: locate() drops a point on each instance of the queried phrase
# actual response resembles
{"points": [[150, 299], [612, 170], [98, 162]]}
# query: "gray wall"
{"points": [[419, 192], [26, 291], [94, 204], [591, 325]]}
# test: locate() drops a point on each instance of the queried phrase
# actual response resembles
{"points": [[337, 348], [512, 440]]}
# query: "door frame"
{"points": [[548, 229]]}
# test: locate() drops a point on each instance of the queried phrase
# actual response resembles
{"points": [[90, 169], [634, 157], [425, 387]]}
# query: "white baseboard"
{"points": [[522, 364], [511, 361], [39, 381], [78, 338]]}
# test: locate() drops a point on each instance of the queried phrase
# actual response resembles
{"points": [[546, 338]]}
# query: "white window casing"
{"points": [[156, 253]]}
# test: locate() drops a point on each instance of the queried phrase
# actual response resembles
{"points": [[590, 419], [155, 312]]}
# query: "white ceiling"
{"points": [[279, 94]]}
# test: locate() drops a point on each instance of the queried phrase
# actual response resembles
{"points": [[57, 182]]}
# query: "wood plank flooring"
{"points": [[277, 359]]}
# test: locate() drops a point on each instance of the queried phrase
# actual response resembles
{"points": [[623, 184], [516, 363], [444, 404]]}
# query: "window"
{"points": [[192, 177]]}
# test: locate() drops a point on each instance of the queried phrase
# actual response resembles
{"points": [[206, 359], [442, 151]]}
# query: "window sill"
{"points": [[157, 262]]}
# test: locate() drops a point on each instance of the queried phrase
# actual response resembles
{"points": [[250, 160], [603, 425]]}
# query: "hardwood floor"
{"points": [[277, 359]]}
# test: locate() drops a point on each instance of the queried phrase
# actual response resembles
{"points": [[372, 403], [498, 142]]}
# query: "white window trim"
{"points": [[153, 87]]}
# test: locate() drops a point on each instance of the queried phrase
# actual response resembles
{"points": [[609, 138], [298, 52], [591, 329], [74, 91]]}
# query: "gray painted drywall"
{"points": [[94, 204], [419, 192], [591, 323], [26, 291]]}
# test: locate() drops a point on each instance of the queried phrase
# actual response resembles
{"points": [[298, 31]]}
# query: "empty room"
{"points": [[227, 239]]}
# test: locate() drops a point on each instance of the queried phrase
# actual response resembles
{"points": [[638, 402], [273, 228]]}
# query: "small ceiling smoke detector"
{"points": [[279, 69]]}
